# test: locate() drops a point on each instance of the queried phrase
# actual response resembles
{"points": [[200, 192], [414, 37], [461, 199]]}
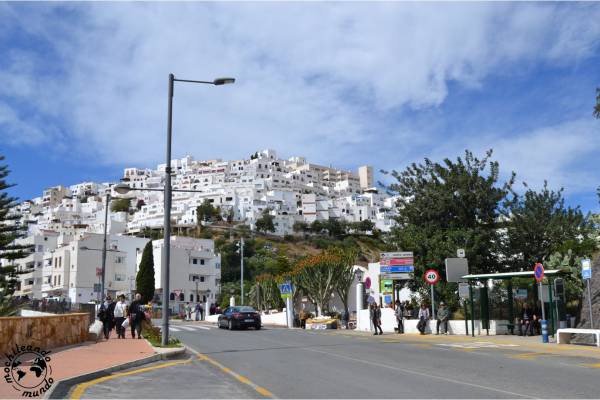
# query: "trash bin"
{"points": [[562, 324]]}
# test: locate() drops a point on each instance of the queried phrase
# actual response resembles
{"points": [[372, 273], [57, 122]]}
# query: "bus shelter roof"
{"points": [[509, 275]]}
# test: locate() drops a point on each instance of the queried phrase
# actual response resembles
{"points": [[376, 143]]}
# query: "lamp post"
{"points": [[167, 220], [104, 245], [241, 251]]}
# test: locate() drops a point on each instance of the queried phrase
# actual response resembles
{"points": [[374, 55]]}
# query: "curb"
{"points": [[61, 389]]}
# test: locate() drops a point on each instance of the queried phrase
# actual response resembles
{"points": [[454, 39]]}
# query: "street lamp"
{"points": [[167, 224]]}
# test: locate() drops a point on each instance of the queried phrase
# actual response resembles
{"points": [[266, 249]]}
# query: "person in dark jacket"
{"points": [[376, 317], [106, 314], [136, 316], [399, 316], [526, 320]]}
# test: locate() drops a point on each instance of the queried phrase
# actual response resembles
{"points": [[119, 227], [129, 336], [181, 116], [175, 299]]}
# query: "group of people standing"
{"points": [[443, 315], [198, 310], [119, 315]]}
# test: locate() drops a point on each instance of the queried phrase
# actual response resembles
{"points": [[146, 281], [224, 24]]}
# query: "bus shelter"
{"points": [[550, 275]]}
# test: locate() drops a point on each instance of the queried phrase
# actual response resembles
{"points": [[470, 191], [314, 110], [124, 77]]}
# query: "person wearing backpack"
{"points": [[107, 316]]}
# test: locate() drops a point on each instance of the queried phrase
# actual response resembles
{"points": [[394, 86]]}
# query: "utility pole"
{"points": [[242, 268]]}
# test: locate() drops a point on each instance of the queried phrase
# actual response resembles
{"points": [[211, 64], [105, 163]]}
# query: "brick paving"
{"points": [[88, 357]]}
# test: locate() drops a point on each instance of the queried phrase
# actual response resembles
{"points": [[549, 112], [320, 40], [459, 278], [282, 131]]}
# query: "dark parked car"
{"points": [[239, 317]]}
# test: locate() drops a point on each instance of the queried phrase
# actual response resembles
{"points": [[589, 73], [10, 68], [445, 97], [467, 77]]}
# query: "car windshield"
{"points": [[243, 309]]}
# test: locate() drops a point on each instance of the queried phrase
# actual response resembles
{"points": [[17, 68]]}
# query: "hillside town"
{"points": [[65, 225]]}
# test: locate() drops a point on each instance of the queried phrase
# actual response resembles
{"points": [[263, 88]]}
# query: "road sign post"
{"points": [[538, 272], [586, 273], [432, 277]]}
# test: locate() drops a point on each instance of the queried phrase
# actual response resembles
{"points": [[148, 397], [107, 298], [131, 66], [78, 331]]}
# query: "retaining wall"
{"points": [[46, 332]]}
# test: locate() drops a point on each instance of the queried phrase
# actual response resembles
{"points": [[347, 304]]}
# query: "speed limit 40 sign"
{"points": [[432, 276]]}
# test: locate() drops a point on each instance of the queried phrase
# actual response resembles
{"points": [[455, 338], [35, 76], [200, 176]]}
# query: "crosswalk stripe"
{"points": [[198, 327], [174, 329], [186, 328]]}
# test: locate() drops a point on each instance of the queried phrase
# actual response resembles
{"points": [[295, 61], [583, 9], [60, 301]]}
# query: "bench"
{"points": [[564, 334]]}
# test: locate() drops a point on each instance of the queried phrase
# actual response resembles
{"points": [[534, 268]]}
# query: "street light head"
{"points": [[223, 81], [83, 248], [122, 188]]}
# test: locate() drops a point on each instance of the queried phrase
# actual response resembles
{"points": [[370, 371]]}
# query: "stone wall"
{"points": [[46, 332]]}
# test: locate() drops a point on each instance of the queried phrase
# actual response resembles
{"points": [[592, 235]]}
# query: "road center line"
{"points": [[240, 378]]}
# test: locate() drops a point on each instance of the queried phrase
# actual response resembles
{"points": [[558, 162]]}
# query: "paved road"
{"points": [[320, 364]]}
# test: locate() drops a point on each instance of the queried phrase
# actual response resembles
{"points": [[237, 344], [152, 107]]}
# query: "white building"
{"points": [[195, 271]]}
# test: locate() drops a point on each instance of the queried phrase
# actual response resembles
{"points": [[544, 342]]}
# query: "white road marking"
{"points": [[171, 328], [477, 345], [197, 327], [186, 328]]}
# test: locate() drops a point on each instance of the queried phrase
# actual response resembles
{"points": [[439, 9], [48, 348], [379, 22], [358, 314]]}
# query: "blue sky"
{"points": [[83, 86]]}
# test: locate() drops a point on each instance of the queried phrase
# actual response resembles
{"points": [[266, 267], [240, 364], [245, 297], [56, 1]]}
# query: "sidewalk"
{"points": [[71, 361], [518, 343]]}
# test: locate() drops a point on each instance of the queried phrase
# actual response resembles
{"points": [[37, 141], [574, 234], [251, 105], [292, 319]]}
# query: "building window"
{"points": [[191, 297], [181, 297], [202, 261], [172, 296], [201, 279], [194, 261], [119, 260]]}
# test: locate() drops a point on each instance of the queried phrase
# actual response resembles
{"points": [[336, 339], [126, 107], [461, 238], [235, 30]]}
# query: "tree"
{"points": [[540, 225], [450, 205], [119, 205], [144, 281], [206, 212], [300, 226], [265, 222], [597, 107], [10, 250], [316, 276], [344, 273]]}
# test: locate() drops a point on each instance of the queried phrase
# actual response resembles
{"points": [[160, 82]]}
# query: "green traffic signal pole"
{"points": [[472, 309]]}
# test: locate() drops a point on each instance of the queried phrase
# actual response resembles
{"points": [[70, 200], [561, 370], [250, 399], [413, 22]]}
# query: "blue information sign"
{"points": [[586, 269], [396, 268], [285, 288]]}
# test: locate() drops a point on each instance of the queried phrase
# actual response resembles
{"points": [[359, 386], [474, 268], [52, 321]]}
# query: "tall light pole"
{"points": [[104, 246], [167, 222], [241, 245]]}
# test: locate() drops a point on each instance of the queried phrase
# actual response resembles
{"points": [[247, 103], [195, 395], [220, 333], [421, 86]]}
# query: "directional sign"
{"points": [[397, 261], [586, 268], [399, 254], [431, 276], [397, 277], [397, 269], [538, 272]]}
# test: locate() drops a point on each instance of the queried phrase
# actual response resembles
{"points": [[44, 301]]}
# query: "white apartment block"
{"points": [[194, 274]]}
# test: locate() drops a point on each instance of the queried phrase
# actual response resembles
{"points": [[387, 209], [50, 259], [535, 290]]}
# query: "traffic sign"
{"points": [[397, 269], [285, 288], [98, 271], [399, 254], [368, 283], [538, 272], [431, 276], [460, 253], [97, 287], [586, 268], [463, 290]]}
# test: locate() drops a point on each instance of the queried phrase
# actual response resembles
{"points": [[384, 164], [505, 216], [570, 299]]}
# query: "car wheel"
{"points": [[257, 327], [230, 325], [219, 324]]}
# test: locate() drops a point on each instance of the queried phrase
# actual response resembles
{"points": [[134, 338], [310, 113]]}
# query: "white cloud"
{"points": [[313, 79]]}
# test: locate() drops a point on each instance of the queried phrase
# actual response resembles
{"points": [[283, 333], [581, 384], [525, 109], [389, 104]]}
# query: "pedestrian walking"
{"points": [[302, 318], [526, 321], [106, 315], [187, 310], [376, 317], [423, 318], [213, 309], [399, 316], [443, 315], [120, 313], [197, 311], [136, 316]]}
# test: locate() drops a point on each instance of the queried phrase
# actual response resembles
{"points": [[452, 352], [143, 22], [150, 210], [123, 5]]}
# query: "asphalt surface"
{"points": [[326, 364]]}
